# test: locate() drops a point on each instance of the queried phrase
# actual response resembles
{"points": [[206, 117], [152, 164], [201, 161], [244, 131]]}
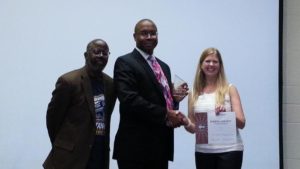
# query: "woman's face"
{"points": [[211, 66]]}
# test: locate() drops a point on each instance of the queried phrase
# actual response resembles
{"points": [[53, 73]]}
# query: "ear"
{"points": [[134, 36], [85, 55]]}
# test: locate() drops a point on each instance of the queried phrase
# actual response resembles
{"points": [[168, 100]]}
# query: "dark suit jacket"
{"points": [[71, 120], [142, 133]]}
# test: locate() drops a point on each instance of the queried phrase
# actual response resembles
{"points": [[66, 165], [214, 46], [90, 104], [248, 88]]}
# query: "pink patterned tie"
{"points": [[160, 76]]}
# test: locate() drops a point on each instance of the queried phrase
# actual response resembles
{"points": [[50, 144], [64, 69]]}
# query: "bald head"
{"points": [[96, 42], [137, 26]]}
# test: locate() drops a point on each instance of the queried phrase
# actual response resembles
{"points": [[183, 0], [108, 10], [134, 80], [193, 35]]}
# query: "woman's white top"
{"points": [[206, 103]]}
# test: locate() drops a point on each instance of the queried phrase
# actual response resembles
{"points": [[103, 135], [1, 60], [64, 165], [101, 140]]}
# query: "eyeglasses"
{"points": [[148, 34]]}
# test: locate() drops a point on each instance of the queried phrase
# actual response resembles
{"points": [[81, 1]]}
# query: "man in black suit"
{"points": [[78, 115], [145, 138]]}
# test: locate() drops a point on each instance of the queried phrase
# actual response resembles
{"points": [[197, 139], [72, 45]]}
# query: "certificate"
{"points": [[216, 129]]}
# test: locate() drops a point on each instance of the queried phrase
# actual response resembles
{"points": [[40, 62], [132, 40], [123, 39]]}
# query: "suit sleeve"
{"points": [[136, 99], [57, 108]]}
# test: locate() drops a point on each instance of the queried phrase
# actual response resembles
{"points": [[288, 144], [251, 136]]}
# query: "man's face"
{"points": [[146, 36], [97, 56]]}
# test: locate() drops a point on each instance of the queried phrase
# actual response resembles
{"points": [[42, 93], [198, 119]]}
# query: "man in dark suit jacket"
{"points": [[78, 115], [144, 139]]}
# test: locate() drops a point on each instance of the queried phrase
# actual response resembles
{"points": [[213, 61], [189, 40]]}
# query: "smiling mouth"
{"points": [[149, 45], [99, 61]]}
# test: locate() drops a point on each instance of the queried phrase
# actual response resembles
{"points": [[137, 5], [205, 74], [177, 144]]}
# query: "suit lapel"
{"points": [[141, 61], [88, 92], [107, 92]]}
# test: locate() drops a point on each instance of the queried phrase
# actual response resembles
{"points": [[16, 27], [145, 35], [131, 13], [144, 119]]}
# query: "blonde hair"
{"points": [[200, 80]]}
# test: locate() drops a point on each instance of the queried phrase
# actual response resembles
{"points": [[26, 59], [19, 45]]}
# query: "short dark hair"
{"points": [[140, 21]]}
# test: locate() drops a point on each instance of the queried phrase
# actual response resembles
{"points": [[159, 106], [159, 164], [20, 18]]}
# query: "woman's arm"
{"points": [[190, 124], [237, 107]]}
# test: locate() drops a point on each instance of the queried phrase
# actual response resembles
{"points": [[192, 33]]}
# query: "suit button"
{"points": [[90, 146]]}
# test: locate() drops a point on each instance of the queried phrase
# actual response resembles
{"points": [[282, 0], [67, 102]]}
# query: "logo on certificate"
{"points": [[201, 128]]}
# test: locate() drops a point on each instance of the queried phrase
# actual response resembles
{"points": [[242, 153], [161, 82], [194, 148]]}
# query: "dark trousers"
{"points": [[147, 164], [228, 160], [97, 160]]}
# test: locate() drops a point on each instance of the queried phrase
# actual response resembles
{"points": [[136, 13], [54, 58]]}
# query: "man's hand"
{"points": [[184, 120], [180, 92], [176, 118]]}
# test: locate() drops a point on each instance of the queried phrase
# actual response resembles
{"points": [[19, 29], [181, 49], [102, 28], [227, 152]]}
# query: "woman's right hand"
{"points": [[220, 108]]}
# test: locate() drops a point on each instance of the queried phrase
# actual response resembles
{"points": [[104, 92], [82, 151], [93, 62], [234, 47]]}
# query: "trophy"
{"points": [[179, 86]]}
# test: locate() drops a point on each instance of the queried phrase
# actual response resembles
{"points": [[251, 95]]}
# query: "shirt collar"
{"points": [[144, 54]]}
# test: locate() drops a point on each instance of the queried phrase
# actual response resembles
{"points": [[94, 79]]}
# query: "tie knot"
{"points": [[151, 58]]}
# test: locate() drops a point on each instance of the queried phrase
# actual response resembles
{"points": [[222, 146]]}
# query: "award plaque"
{"points": [[178, 85]]}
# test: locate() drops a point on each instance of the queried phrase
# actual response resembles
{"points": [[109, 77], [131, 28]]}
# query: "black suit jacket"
{"points": [[71, 120], [142, 133]]}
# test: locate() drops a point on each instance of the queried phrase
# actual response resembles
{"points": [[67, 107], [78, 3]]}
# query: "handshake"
{"points": [[176, 118]]}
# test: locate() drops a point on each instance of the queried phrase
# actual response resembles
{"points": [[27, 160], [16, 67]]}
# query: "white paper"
{"points": [[221, 128]]}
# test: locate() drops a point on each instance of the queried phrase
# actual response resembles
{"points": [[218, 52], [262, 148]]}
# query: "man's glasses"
{"points": [[148, 34]]}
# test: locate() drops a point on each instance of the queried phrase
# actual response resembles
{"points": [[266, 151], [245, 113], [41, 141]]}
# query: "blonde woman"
{"points": [[213, 94]]}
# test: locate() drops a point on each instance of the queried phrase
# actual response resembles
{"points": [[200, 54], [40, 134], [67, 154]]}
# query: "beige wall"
{"points": [[291, 84]]}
